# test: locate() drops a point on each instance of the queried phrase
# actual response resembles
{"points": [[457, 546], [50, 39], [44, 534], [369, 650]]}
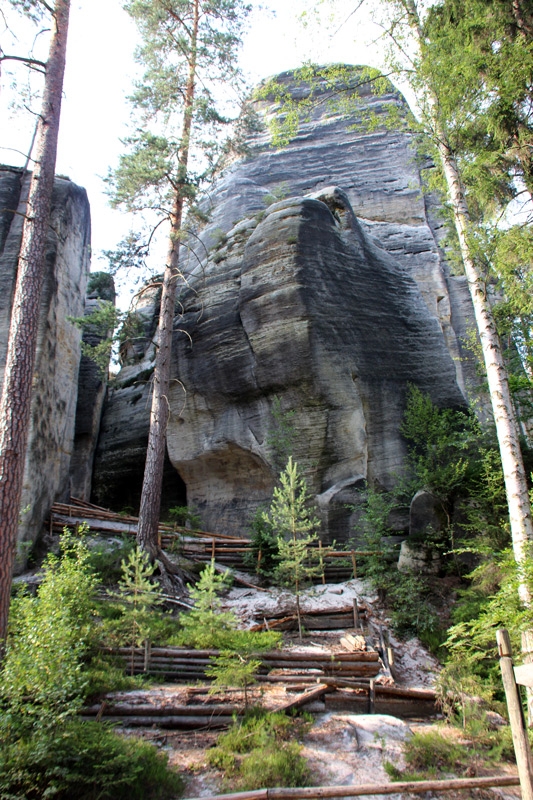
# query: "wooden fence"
{"points": [[198, 546]]}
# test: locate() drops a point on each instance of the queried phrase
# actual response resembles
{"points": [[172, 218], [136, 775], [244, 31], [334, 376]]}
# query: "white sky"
{"points": [[100, 69]]}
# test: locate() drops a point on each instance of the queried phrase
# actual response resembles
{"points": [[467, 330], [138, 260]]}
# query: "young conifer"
{"points": [[291, 519]]}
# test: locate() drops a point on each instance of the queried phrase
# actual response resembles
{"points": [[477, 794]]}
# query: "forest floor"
{"points": [[340, 747]]}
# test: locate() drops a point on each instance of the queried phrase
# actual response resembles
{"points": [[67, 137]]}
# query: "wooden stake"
{"points": [[354, 565], [355, 614], [372, 697], [147, 653], [516, 717], [321, 561]]}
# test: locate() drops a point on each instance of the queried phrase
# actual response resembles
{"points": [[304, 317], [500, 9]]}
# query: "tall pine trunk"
{"points": [[15, 402], [147, 535]]}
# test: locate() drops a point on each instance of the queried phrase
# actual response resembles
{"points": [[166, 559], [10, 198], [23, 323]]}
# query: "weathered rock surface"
{"points": [[92, 384], [51, 434], [304, 304], [121, 452], [310, 312]]}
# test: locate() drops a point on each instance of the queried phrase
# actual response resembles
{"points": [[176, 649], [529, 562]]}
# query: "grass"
{"points": [[432, 753], [260, 752]]}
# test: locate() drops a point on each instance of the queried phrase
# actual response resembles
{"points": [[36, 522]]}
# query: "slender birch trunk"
{"points": [[16, 391], [147, 535], [516, 488]]}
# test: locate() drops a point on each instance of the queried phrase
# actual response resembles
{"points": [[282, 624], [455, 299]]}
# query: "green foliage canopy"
{"points": [[153, 169]]}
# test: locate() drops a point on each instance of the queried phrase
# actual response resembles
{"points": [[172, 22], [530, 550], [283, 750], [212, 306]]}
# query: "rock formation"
{"points": [[121, 452], [325, 303], [92, 384], [53, 411]]}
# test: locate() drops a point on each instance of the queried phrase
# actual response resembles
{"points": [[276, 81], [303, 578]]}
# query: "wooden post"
{"points": [[354, 564], [516, 717], [213, 549], [147, 654], [355, 614], [372, 697], [321, 561]]}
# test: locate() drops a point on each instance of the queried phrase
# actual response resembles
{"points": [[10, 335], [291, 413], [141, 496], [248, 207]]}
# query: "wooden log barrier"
{"points": [[412, 787]]}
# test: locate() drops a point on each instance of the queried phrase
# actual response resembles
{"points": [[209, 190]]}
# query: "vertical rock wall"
{"points": [[51, 435]]}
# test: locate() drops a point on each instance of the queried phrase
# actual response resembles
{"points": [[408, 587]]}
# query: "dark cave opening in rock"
{"points": [[124, 494]]}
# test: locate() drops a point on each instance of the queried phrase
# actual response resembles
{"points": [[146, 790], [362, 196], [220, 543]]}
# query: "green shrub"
{"points": [[257, 752], [432, 751], [263, 554], [42, 681], [183, 515], [106, 559], [278, 765], [45, 751], [86, 761], [106, 674]]}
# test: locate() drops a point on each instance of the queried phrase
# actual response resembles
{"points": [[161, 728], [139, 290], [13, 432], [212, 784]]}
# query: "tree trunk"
{"points": [[147, 535], [16, 392], [516, 488], [502, 405]]}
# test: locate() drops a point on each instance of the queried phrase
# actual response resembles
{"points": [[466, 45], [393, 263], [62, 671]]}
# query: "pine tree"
{"points": [[18, 376], [292, 521], [138, 594], [188, 52]]}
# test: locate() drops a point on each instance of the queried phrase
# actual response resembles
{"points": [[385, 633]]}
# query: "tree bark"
{"points": [[516, 488], [147, 535], [16, 391]]}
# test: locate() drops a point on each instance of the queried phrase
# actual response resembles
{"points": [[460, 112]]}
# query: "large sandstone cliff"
{"points": [[325, 303], [53, 410]]}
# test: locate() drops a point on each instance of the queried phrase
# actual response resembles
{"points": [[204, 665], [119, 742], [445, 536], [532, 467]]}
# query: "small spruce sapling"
{"points": [[234, 668], [294, 525], [205, 625], [138, 595], [238, 663]]}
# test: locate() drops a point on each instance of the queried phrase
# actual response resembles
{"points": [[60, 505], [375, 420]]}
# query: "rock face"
{"points": [[324, 304], [51, 435], [92, 384], [121, 452]]}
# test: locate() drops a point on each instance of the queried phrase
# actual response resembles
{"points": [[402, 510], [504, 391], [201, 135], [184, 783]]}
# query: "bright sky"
{"points": [[100, 69]]}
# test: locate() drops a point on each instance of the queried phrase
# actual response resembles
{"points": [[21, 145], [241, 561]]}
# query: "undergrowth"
{"points": [[260, 752], [86, 761], [433, 753], [45, 749]]}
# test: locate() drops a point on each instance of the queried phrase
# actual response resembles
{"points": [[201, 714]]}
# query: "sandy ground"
{"points": [[341, 748], [414, 666]]}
